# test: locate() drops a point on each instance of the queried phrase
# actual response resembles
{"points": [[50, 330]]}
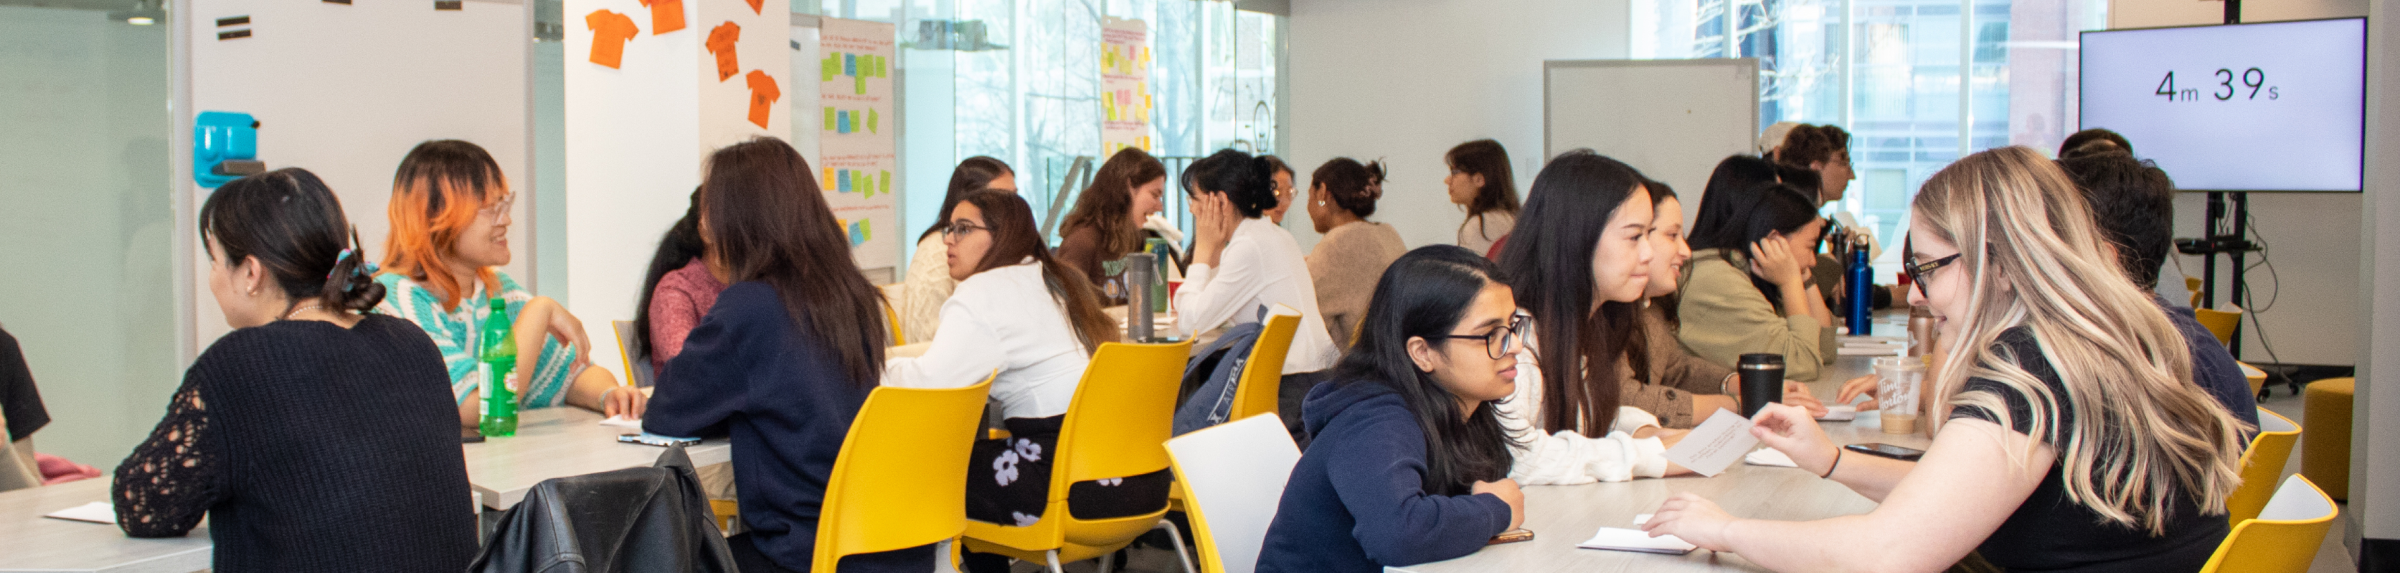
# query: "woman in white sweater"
{"points": [[1036, 323], [929, 281], [1579, 276], [1241, 262]]}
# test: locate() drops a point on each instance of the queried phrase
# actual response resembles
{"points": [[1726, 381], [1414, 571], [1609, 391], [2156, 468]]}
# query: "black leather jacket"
{"points": [[629, 520]]}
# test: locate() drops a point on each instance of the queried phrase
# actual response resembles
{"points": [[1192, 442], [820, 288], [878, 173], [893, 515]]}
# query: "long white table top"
{"points": [[1563, 516], [560, 442], [30, 542]]}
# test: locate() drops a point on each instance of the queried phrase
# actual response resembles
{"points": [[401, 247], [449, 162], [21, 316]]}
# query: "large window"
{"points": [[1020, 80], [1918, 83]]}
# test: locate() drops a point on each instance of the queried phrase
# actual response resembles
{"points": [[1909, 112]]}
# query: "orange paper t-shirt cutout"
{"points": [[763, 94], [610, 31], [665, 15], [721, 42], [756, 6]]}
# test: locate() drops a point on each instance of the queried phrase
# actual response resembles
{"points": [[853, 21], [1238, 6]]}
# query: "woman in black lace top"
{"points": [[314, 437]]}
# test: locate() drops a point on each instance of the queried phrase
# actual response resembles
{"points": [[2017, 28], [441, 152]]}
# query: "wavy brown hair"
{"points": [[1107, 205], [767, 221]]}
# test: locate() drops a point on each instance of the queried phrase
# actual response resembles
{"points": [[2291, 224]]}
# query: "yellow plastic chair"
{"points": [[2285, 536], [2219, 322], [892, 297], [1236, 472], [901, 479], [2256, 377], [2261, 464], [1117, 426], [2193, 284], [638, 372], [1262, 376]]}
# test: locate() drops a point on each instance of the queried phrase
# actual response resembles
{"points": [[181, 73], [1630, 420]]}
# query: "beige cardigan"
{"points": [[1724, 317], [1675, 376], [1344, 267]]}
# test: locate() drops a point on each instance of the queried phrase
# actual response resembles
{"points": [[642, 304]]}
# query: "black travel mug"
{"points": [[1762, 381]]}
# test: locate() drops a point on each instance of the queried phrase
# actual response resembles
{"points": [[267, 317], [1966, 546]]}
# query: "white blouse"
{"points": [[1567, 457], [1002, 319], [1261, 266]]}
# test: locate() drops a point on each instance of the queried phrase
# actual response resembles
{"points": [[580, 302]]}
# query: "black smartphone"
{"points": [[650, 439], [470, 436], [1511, 536], [1887, 450]]}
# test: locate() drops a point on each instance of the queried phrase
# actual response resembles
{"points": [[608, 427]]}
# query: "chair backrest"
{"points": [[2285, 536], [637, 364], [1123, 411], [893, 296], [2193, 284], [1262, 375], [2268, 453], [2219, 322], [1235, 473], [901, 479]]}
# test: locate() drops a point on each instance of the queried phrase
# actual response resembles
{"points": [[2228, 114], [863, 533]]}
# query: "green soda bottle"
{"points": [[497, 364]]}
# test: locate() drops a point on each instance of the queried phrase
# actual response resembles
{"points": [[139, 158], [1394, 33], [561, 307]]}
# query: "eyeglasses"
{"points": [[1498, 344], [959, 229], [1918, 270], [499, 207]]}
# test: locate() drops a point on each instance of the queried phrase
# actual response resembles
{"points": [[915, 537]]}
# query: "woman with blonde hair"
{"points": [[449, 235], [2069, 436]]}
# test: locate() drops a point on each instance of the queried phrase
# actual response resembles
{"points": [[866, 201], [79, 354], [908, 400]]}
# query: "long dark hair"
{"points": [[1107, 205], [1423, 294], [1550, 255], [677, 248], [1487, 158], [1766, 208], [292, 222], [1726, 198], [1247, 182], [767, 220], [1015, 238], [975, 173]]}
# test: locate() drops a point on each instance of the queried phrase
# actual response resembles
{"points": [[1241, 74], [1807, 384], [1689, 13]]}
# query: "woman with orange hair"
{"points": [[450, 222]]}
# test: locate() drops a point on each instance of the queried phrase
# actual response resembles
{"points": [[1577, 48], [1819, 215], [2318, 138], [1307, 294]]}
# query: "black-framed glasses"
{"points": [[1918, 270], [960, 228], [1499, 343]]}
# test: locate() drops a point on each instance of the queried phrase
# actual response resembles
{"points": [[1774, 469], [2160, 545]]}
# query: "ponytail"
{"points": [[351, 285]]}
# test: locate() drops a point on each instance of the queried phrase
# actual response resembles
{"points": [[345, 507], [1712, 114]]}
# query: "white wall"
{"points": [[2315, 318], [353, 88], [1406, 80], [2375, 426]]}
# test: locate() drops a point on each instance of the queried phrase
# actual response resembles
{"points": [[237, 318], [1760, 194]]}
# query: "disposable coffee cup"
{"points": [[1899, 382], [1762, 381]]}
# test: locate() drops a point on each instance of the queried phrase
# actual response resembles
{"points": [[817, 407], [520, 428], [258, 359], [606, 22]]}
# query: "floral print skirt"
{"points": [[1008, 480]]}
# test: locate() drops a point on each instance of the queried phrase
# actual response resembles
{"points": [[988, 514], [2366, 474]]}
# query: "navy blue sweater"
{"points": [[783, 396], [2212, 366], [1357, 501]]}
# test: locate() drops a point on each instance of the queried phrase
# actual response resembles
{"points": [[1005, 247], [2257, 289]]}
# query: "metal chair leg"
{"points": [[1052, 556], [1175, 538]]}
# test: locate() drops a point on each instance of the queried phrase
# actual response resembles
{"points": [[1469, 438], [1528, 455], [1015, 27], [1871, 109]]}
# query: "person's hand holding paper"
{"points": [[1717, 443]]}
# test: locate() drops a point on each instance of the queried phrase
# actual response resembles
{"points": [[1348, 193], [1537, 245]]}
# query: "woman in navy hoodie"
{"points": [[1409, 463]]}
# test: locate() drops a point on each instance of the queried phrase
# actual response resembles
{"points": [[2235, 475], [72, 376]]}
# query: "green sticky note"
{"points": [[885, 186], [832, 66], [830, 120], [866, 230], [873, 118], [862, 85], [883, 67]]}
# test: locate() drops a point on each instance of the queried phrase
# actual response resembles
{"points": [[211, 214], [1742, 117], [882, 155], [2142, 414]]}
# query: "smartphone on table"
{"points": [[1887, 450]]}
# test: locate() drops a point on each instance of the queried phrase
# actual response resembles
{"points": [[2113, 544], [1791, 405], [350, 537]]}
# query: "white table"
{"points": [[560, 442], [30, 542], [1562, 516]]}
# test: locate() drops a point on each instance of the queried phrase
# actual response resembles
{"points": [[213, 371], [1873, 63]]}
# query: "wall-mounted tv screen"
{"points": [[2277, 106]]}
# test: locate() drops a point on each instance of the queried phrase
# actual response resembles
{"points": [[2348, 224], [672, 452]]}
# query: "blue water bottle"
{"points": [[1862, 292]]}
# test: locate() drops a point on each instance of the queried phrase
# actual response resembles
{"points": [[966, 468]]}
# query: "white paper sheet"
{"points": [[1715, 444], [1618, 539], [1839, 413], [95, 512], [619, 421], [1770, 457]]}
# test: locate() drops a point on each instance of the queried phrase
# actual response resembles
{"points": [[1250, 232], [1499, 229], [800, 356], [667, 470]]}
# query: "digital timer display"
{"points": [[2248, 107]]}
